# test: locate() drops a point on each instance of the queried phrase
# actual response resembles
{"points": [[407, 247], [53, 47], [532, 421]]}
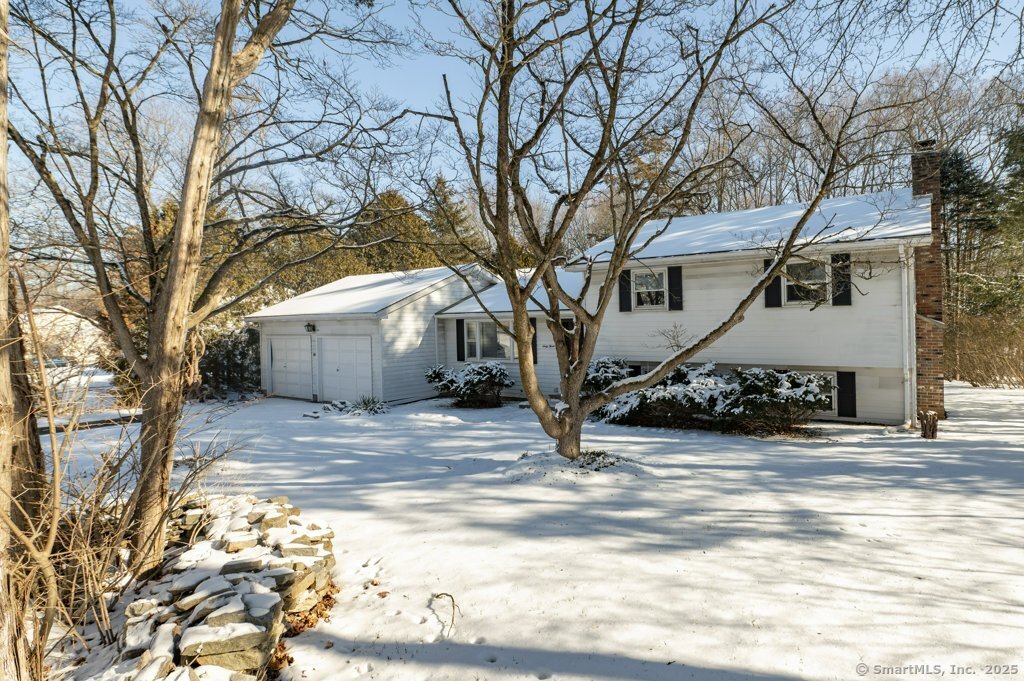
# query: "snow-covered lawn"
{"points": [[703, 556]]}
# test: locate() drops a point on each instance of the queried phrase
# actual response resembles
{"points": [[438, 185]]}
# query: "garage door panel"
{"points": [[346, 367], [291, 367]]}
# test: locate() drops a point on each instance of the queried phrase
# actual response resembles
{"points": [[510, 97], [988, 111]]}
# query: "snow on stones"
{"points": [[219, 611]]}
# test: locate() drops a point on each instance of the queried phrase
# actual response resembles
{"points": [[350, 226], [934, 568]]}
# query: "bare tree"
{"points": [[13, 654], [165, 224], [570, 96]]}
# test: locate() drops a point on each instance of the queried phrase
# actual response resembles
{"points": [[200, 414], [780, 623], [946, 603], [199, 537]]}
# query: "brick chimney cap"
{"points": [[925, 145]]}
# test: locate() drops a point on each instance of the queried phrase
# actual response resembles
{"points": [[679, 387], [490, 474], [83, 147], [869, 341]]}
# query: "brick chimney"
{"points": [[925, 165]]}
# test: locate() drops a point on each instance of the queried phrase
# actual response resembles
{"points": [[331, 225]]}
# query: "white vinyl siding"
{"points": [[865, 337], [410, 342], [546, 366], [866, 334]]}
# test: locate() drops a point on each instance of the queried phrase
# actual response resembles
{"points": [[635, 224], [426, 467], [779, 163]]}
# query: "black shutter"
{"points": [[675, 288], [460, 340], [533, 341], [842, 289], [846, 389], [772, 294], [625, 291]]}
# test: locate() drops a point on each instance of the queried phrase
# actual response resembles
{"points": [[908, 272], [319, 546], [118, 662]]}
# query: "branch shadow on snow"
{"points": [[481, 659]]}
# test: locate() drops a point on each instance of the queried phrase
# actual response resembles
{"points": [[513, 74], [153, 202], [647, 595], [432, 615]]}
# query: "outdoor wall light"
{"points": [[310, 327]]}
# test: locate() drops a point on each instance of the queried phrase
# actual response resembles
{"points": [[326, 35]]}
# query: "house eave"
{"points": [[717, 256]]}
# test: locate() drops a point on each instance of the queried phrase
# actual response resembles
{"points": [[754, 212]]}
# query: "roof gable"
{"points": [[882, 215], [496, 301]]}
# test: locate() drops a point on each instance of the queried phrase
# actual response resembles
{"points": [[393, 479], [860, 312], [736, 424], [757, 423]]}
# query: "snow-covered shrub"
{"points": [[773, 401], [476, 385], [602, 372], [364, 406], [746, 400]]}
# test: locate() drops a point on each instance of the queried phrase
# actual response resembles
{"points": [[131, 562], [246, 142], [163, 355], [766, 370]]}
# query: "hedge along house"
{"points": [[371, 335]]}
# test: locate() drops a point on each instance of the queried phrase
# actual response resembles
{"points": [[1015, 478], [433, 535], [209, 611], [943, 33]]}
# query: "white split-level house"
{"points": [[869, 262]]}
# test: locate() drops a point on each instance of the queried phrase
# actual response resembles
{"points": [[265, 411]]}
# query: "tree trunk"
{"points": [[13, 651], [28, 461], [161, 415], [569, 441], [169, 322]]}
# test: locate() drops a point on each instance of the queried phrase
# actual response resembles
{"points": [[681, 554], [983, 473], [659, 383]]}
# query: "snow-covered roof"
{"points": [[881, 215], [495, 299], [361, 294]]}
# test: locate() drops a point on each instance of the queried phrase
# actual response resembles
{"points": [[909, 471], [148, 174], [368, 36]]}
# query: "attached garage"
{"points": [[370, 335]]}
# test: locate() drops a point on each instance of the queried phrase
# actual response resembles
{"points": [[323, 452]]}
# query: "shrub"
{"points": [[476, 385], [364, 406], [746, 400], [602, 372], [231, 362]]}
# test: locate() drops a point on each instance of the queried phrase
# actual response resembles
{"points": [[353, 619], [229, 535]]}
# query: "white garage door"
{"points": [[345, 367], [291, 367]]}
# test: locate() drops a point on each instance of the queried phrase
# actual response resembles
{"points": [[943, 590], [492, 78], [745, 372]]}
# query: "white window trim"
{"points": [[632, 287], [479, 344], [786, 283]]}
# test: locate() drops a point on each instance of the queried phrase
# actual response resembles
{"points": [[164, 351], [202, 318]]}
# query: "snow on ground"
{"points": [[709, 557], [701, 556]]}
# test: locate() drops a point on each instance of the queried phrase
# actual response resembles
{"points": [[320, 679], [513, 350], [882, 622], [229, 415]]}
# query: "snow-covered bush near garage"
{"points": [[604, 371], [744, 400], [475, 385]]}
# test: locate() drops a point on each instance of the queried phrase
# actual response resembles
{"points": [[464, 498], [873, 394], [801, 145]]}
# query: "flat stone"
{"points": [[232, 612], [202, 640], [138, 632], [236, 541], [187, 581], [263, 609], [209, 605], [140, 607], [205, 589], [272, 520], [290, 550], [277, 500], [302, 601], [239, 660], [182, 674], [323, 579], [301, 582], [156, 670], [243, 565], [162, 644]]}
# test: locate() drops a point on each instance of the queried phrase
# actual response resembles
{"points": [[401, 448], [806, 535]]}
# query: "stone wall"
{"points": [[220, 607]]}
